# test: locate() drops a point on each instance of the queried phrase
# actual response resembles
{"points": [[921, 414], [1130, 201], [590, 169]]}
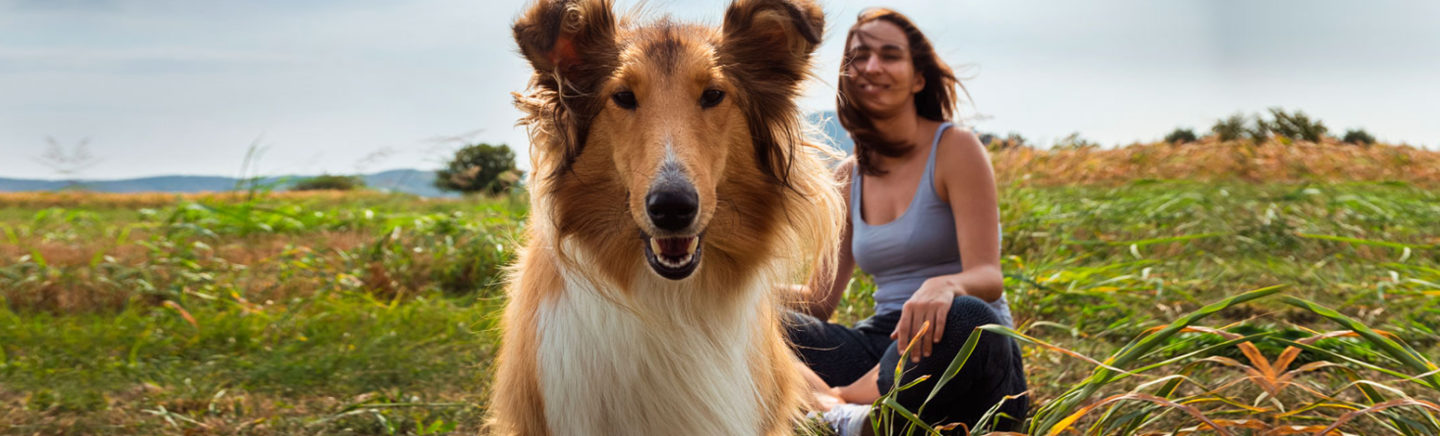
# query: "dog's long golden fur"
{"points": [[597, 338]]}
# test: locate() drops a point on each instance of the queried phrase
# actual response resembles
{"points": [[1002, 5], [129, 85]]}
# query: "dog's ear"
{"points": [[572, 46], [567, 37], [766, 49], [783, 32]]}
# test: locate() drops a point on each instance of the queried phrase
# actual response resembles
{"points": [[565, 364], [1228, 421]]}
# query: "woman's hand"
{"points": [[931, 303]]}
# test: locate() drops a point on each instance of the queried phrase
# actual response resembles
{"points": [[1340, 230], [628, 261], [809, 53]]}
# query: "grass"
{"points": [[281, 315], [1276, 160], [1144, 305], [223, 371]]}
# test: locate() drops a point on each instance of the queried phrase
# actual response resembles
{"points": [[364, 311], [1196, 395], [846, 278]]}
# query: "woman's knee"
{"points": [[802, 328], [968, 312]]}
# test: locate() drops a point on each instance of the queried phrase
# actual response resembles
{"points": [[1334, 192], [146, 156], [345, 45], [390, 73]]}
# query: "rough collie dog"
{"points": [[672, 191]]}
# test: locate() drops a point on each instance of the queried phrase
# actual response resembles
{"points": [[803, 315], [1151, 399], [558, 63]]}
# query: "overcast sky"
{"points": [[187, 86]]}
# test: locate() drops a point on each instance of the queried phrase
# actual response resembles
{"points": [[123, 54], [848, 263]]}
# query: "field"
{"points": [[1130, 273]]}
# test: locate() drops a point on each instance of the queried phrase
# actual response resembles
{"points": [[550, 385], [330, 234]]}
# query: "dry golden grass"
{"points": [[1210, 160], [251, 263], [158, 199], [1277, 160]]}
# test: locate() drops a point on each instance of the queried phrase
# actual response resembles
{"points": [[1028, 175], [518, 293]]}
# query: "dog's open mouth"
{"points": [[673, 258]]}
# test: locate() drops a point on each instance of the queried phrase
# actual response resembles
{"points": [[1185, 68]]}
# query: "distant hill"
{"points": [[405, 180], [409, 181]]}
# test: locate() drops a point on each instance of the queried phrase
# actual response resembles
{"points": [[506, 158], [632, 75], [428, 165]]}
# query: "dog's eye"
{"points": [[624, 99], [711, 97]]}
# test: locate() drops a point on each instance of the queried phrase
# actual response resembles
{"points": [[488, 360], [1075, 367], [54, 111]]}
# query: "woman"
{"points": [[923, 220]]}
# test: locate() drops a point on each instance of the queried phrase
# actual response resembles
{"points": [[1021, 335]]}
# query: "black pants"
{"points": [[841, 354]]}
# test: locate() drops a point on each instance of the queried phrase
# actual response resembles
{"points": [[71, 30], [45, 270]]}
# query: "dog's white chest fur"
{"points": [[605, 372]]}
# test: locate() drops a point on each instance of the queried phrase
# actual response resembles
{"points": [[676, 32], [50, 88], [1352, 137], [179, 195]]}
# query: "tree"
{"points": [[1239, 125], [1297, 125], [479, 168], [1262, 130], [1180, 136], [1358, 137], [1231, 128], [330, 182]]}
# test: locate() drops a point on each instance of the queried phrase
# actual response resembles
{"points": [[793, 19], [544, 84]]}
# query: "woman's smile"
{"points": [[870, 87]]}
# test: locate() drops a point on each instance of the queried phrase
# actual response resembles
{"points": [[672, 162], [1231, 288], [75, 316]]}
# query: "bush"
{"points": [[479, 168], [1074, 141], [1358, 137], [995, 142], [330, 182], [1260, 131], [1181, 136], [1294, 125], [1297, 125], [1230, 129]]}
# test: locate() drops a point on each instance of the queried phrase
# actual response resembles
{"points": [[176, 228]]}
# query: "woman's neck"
{"points": [[898, 127], [901, 127]]}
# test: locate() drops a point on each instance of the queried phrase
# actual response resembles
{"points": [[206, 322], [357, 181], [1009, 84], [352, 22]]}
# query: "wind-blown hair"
{"points": [[936, 102]]}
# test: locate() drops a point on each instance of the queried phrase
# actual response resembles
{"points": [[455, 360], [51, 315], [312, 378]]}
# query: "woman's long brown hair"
{"points": [[935, 102]]}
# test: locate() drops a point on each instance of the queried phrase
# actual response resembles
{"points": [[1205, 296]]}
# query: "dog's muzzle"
{"points": [[672, 206]]}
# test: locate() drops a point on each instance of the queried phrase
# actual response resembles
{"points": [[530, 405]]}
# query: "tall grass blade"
{"points": [[915, 423], [1359, 241], [1151, 241], [1050, 417], [955, 364], [1413, 360], [1376, 408], [1070, 420]]}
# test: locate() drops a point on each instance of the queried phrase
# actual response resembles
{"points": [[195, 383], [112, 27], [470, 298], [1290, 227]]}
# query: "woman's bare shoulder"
{"points": [[960, 149], [962, 162]]}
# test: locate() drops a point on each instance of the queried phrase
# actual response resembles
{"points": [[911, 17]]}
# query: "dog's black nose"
{"points": [[672, 208]]}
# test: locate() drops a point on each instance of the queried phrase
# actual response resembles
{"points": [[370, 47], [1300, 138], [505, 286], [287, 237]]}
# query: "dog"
{"points": [[673, 192]]}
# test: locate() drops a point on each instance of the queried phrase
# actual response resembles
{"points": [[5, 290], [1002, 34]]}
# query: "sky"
{"points": [[188, 87]]}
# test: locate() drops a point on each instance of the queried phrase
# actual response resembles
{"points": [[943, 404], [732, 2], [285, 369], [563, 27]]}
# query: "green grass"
{"points": [[375, 314], [287, 367]]}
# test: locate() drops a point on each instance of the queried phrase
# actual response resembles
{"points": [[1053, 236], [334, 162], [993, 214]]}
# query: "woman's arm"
{"points": [[967, 182], [965, 179], [864, 390], [820, 297]]}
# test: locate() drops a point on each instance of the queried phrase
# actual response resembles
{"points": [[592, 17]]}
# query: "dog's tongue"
{"points": [[675, 247]]}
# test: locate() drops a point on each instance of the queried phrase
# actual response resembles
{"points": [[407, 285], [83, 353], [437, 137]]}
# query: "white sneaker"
{"points": [[848, 419]]}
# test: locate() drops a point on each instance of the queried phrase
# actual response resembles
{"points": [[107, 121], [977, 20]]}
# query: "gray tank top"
{"points": [[916, 246]]}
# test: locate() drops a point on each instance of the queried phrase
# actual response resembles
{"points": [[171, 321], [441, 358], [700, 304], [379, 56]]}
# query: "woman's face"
{"points": [[882, 75]]}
